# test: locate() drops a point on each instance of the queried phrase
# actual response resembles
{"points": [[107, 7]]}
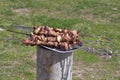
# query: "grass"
{"points": [[97, 18]]}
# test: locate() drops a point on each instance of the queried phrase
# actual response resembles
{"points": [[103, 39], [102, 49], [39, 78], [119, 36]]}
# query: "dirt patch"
{"points": [[101, 70], [33, 57], [22, 11], [87, 14], [117, 74], [78, 70]]}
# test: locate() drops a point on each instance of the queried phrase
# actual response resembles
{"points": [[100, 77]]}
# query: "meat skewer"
{"points": [[62, 39]]}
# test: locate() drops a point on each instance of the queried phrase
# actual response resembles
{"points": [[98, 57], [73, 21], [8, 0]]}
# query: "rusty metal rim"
{"points": [[75, 47]]}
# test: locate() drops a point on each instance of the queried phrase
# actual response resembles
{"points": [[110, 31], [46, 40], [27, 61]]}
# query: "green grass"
{"points": [[92, 17]]}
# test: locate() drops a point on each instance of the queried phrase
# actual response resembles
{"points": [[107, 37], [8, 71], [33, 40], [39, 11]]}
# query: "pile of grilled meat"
{"points": [[62, 39]]}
